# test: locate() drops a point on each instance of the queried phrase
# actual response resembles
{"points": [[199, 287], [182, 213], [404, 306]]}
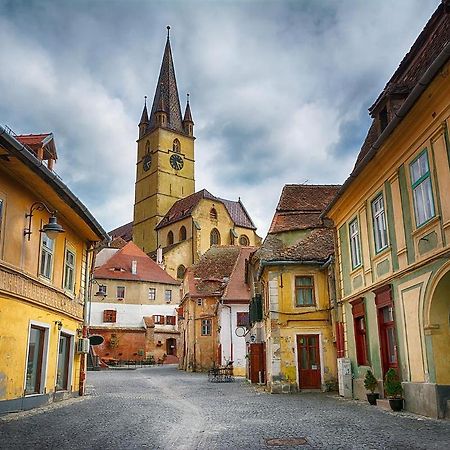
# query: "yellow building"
{"points": [[168, 213], [46, 235], [291, 344], [392, 217]]}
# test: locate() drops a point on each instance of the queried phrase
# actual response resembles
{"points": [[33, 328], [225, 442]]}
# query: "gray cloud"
{"points": [[279, 89]]}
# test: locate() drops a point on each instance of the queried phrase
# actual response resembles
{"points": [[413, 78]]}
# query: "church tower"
{"points": [[165, 156]]}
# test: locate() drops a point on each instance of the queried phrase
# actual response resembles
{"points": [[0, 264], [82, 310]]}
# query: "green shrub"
{"points": [[370, 382], [392, 384]]}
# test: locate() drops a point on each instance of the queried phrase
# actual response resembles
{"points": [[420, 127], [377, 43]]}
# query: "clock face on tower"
{"points": [[176, 161], [147, 162]]}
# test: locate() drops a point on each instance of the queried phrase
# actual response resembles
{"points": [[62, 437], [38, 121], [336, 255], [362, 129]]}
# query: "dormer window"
{"points": [[383, 119]]}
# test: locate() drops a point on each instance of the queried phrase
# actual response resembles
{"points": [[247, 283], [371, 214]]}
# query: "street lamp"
{"points": [[51, 229], [101, 293]]}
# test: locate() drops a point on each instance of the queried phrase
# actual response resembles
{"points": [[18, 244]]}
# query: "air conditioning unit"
{"points": [[83, 345]]}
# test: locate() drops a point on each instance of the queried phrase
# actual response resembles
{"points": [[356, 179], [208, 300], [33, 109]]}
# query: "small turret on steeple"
{"points": [[161, 113], [143, 124], [188, 123]]}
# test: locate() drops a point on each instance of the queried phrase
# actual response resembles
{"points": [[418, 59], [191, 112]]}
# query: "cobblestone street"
{"points": [[162, 408]]}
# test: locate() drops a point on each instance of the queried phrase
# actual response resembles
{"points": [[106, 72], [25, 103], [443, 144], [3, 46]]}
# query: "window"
{"points": [[215, 237], [182, 234], [109, 315], [199, 302], [170, 320], [242, 319], [170, 238], [244, 241], [102, 289], [359, 323], [379, 223], [120, 291], [206, 327], [33, 383], [354, 243], [213, 214], [151, 293], [168, 295], [176, 147], [47, 250], [304, 291], [159, 320], [422, 190], [180, 271], [62, 374], [69, 271]]}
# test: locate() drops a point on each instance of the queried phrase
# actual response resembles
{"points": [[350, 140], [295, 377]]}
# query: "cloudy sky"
{"points": [[279, 89]]}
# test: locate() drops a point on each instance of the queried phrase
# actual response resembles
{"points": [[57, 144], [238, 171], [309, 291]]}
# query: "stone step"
{"points": [[383, 403]]}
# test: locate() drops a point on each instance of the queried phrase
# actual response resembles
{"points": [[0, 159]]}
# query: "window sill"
{"points": [[426, 226]]}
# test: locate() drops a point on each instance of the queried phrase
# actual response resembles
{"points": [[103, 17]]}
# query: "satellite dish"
{"points": [[241, 331], [96, 339]]}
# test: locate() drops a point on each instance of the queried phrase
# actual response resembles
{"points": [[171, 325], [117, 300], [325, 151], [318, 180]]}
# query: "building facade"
{"points": [[45, 259], [215, 303], [393, 228], [291, 342], [135, 311]]}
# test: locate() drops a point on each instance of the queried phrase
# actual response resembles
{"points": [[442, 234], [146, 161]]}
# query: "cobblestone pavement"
{"points": [[162, 408]]}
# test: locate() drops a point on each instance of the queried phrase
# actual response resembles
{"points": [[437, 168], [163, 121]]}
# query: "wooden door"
{"points": [[308, 356], [257, 363], [388, 341]]}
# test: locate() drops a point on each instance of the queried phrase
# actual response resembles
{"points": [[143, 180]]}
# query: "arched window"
{"points": [[244, 240], [169, 238], [147, 147], [182, 234], [180, 271], [176, 146], [213, 213], [214, 237]]}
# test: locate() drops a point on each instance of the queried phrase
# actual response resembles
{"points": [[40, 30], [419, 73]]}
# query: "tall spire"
{"points": [[167, 92], [188, 123], [144, 116]]}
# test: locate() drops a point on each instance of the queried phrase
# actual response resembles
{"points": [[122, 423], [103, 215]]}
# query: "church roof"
{"points": [[184, 207], [118, 267], [124, 231], [167, 93]]}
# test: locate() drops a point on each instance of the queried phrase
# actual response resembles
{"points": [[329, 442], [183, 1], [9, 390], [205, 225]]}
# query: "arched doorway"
{"points": [[171, 346], [438, 327]]}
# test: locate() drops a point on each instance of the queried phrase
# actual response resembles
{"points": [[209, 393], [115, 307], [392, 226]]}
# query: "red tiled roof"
{"points": [[210, 275], [183, 208], [237, 289], [37, 141], [125, 232], [300, 206], [149, 321], [118, 267]]}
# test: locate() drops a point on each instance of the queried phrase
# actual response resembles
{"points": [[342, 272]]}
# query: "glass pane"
{"points": [[303, 281], [304, 297], [63, 362], [304, 357], [33, 364], [312, 357], [392, 354]]}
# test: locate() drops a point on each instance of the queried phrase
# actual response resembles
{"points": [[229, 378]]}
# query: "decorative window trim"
{"points": [[49, 255], [416, 184], [355, 243], [309, 287], [381, 240], [70, 250]]}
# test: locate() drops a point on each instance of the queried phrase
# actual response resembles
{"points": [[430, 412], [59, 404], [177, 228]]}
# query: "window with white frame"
{"points": [[47, 250], [379, 224], [355, 248], [206, 327], [152, 293], [69, 271], [120, 291], [168, 295], [422, 189]]}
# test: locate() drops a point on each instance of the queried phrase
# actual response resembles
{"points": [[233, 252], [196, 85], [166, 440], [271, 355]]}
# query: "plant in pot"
{"points": [[371, 384], [394, 390]]}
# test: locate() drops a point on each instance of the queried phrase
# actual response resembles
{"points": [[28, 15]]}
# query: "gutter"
{"points": [[37, 166], [418, 90], [315, 262]]}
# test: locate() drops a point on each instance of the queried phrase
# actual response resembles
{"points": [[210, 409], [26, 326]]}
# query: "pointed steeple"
{"points": [[166, 95], [143, 123], [188, 123]]}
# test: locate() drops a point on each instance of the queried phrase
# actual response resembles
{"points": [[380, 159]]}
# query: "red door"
{"points": [[257, 362], [308, 361]]}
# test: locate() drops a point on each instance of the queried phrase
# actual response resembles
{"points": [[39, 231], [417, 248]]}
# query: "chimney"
{"points": [[159, 257], [134, 267]]}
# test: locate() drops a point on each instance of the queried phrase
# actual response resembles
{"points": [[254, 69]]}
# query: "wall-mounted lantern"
{"points": [[51, 229]]}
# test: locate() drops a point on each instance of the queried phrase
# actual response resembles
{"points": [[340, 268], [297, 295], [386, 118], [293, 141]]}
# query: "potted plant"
{"points": [[394, 390], [371, 384]]}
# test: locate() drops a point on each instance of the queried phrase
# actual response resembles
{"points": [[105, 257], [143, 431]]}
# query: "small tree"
{"points": [[370, 382], [392, 384]]}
